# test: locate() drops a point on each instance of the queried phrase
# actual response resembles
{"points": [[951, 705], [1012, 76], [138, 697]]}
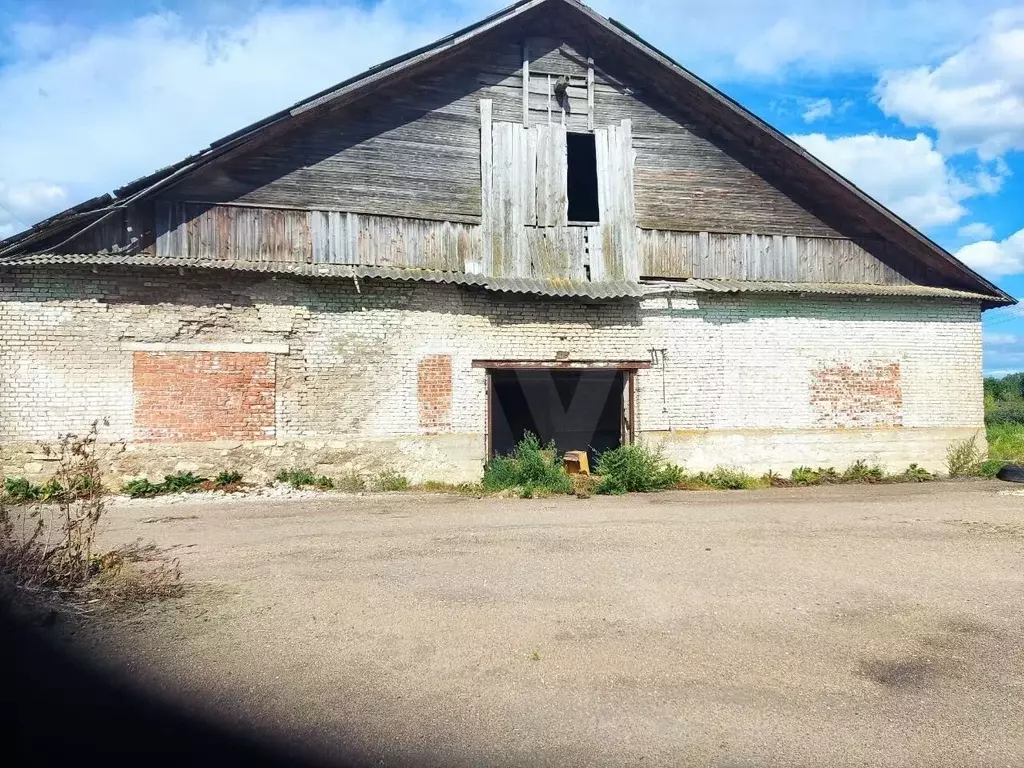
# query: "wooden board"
{"points": [[784, 258], [615, 194], [241, 233]]}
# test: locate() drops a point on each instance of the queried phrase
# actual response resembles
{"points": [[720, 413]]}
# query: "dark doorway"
{"points": [[582, 177], [581, 410]]}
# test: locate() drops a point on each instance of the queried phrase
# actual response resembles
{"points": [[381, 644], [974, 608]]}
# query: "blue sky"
{"points": [[919, 103]]}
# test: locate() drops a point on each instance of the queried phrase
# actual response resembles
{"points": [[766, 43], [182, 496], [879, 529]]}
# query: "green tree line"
{"points": [[1004, 399]]}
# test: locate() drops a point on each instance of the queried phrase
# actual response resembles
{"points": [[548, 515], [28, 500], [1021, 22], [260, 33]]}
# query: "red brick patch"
{"points": [[201, 396], [864, 396], [434, 391]]}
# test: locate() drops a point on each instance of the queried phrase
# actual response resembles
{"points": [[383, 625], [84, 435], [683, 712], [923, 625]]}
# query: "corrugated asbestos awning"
{"points": [[615, 289], [651, 288]]}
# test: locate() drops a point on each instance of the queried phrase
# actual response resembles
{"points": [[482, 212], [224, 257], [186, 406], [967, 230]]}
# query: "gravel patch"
{"points": [[845, 625], [270, 493]]}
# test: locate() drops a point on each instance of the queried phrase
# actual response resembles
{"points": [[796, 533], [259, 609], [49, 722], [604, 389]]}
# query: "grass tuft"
{"points": [[964, 459], [636, 468], [531, 469], [390, 482]]}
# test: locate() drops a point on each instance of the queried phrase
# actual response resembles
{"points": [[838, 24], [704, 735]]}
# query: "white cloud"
{"points": [[977, 230], [996, 259], [103, 108], [818, 109], [89, 109], [26, 202], [730, 39], [909, 176], [997, 339], [974, 99]]}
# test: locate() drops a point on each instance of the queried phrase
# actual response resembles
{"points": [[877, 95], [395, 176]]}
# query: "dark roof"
{"points": [[731, 116]]}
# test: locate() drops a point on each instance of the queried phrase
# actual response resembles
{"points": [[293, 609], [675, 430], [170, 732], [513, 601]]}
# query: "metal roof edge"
{"points": [[556, 288], [726, 286]]}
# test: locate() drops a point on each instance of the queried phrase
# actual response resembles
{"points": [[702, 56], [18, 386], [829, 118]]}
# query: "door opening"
{"points": [[580, 410], [581, 177]]}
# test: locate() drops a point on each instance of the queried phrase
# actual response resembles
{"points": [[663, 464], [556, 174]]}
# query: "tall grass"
{"points": [[636, 469], [531, 469], [1005, 446]]}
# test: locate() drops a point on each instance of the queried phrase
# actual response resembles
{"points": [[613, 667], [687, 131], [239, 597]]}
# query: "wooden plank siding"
{"points": [[617, 229], [786, 258], [412, 152], [235, 233], [464, 168]]}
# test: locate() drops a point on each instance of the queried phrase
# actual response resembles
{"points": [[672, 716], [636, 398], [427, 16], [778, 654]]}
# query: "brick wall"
{"points": [[203, 396], [385, 374], [434, 392], [857, 396]]}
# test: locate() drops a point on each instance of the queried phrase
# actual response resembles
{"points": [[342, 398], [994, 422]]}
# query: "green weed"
{"points": [[226, 478], [861, 472], [323, 483], [297, 478], [530, 468], [964, 459], [636, 468], [914, 474], [461, 489], [140, 487], [390, 481], [19, 489], [181, 482]]}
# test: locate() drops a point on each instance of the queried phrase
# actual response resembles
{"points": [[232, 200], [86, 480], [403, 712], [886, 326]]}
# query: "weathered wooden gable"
{"points": [[462, 167]]}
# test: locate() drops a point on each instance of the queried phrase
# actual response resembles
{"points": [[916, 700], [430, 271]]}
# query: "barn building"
{"points": [[537, 223]]}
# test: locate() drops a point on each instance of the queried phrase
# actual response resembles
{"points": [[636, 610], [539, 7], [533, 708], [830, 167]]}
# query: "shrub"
{"points": [[915, 474], [584, 486], [51, 546], [1005, 413], [828, 475], [323, 483], [351, 482], [636, 469], [775, 480], [529, 467], [964, 459], [140, 487], [297, 478], [731, 479], [861, 472], [52, 490], [804, 476], [226, 478], [18, 489], [133, 573], [181, 482], [390, 481]]}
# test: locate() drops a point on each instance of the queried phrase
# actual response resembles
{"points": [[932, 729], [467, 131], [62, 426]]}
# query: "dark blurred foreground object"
{"points": [[55, 710], [1012, 473]]}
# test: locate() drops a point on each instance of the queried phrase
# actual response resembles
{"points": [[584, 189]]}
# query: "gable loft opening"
{"points": [[581, 178]]}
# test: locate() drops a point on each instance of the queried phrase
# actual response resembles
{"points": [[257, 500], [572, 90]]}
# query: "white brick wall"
{"points": [[736, 367]]}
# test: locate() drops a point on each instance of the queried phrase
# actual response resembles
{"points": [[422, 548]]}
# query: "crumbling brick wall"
{"points": [[434, 392], [384, 373], [851, 395]]}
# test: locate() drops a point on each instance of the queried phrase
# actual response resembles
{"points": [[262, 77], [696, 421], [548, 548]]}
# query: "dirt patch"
{"points": [[903, 674], [814, 625], [987, 528]]}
